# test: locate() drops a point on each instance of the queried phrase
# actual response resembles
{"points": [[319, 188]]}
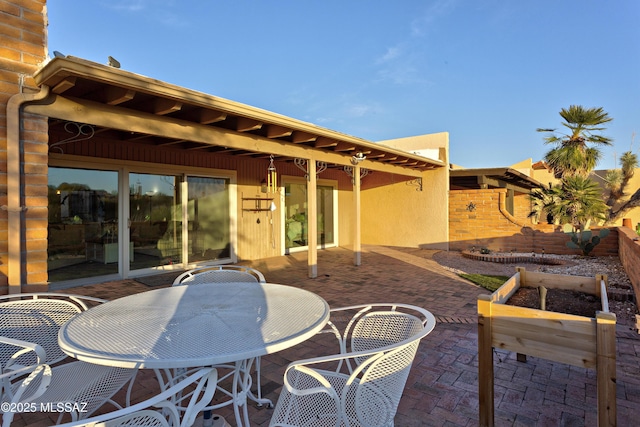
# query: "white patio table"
{"points": [[197, 325]]}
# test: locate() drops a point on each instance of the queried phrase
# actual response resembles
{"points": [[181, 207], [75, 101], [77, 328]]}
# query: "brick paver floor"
{"points": [[442, 389]]}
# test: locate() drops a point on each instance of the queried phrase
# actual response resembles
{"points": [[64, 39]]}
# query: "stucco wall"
{"points": [[395, 213]]}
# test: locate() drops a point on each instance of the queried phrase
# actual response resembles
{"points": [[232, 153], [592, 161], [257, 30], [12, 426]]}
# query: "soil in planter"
{"points": [[558, 300]]}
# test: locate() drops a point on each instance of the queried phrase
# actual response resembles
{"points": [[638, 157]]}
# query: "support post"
{"points": [[312, 219], [485, 362], [357, 242], [606, 368]]}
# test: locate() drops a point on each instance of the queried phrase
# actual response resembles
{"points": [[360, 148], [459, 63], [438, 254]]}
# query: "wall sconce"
{"points": [[359, 156], [471, 207]]}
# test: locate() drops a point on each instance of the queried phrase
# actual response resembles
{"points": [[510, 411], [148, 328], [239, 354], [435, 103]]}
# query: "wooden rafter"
{"points": [[206, 117], [274, 131], [300, 137], [343, 146], [64, 85], [163, 107], [246, 125], [115, 95], [322, 142]]}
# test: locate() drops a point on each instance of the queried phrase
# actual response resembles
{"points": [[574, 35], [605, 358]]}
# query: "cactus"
{"points": [[586, 241]]}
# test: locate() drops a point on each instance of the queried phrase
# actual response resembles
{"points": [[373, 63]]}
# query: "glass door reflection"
{"points": [[83, 223], [155, 220]]}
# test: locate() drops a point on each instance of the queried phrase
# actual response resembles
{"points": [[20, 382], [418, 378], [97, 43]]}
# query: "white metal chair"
{"points": [[225, 274], [363, 383], [29, 325], [220, 274], [84, 386], [36, 318], [178, 406]]}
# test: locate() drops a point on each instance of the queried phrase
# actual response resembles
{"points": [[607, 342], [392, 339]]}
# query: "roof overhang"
{"points": [[492, 178], [144, 109]]}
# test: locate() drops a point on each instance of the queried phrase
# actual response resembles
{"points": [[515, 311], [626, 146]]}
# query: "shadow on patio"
{"points": [[442, 389]]}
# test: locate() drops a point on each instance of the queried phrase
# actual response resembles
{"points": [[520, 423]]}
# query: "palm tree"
{"points": [[578, 201], [572, 154]]}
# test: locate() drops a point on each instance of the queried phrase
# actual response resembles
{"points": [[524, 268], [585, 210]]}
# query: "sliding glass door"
{"points": [[83, 223], [162, 222], [209, 220], [296, 221], [155, 220]]}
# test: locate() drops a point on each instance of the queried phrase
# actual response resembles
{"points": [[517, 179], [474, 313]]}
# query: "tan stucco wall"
{"points": [[345, 216], [395, 213], [426, 145]]}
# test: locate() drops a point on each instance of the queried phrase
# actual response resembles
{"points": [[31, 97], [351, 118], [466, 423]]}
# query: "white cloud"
{"points": [[359, 110], [421, 25], [391, 54]]}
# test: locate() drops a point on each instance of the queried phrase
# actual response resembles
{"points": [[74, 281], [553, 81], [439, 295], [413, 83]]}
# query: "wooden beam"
{"points": [[376, 156], [485, 181], [300, 137], [207, 117], [343, 146], [163, 106], [246, 125], [116, 95], [174, 142], [77, 110], [400, 161], [64, 85], [322, 142], [275, 131]]}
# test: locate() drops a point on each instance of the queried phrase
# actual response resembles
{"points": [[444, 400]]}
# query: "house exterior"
{"points": [[106, 174]]}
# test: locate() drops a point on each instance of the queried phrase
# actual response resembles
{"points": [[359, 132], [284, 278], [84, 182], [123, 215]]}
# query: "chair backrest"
{"points": [[220, 274], [389, 335], [184, 400], [383, 328], [375, 399], [37, 317]]}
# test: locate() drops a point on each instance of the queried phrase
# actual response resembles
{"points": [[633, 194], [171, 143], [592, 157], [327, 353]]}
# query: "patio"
{"points": [[442, 389]]}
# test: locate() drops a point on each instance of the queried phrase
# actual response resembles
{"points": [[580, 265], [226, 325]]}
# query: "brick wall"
{"points": [[490, 225], [22, 49], [629, 252]]}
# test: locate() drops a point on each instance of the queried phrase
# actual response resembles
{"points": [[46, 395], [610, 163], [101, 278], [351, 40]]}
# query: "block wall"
{"points": [[478, 218], [629, 252], [22, 50]]}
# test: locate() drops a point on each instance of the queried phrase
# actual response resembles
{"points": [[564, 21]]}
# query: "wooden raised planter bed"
{"points": [[588, 342]]}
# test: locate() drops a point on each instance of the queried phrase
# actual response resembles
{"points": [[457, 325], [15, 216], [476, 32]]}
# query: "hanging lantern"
{"points": [[272, 177]]}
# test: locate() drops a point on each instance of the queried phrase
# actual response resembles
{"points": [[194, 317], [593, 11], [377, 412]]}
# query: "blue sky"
{"points": [[488, 72]]}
